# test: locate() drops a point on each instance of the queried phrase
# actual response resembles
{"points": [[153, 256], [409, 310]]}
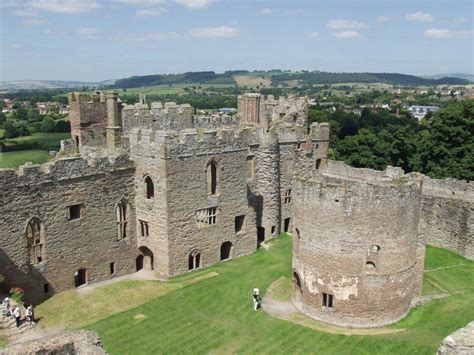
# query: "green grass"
{"points": [[51, 141], [215, 315], [3, 342], [15, 159]]}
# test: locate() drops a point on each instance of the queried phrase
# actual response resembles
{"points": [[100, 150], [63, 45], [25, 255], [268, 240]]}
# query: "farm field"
{"points": [[17, 158], [210, 311], [47, 141]]}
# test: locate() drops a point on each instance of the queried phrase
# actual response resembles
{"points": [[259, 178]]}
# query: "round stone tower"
{"points": [[356, 258]]}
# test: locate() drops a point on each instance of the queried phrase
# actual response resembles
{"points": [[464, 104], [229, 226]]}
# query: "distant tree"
{"points": [[62, 126], [20, 114], [48, 125], [15, 129]]}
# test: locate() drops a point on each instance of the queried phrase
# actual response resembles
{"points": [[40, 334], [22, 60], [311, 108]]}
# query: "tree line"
{"points": [[440, 146]]}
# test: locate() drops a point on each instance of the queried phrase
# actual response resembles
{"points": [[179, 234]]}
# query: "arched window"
{"points": [[121, 212], [35, 241], [194, 260], [150, 188], [213, 177]]}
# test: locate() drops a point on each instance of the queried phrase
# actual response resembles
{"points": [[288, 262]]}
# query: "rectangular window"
{"points": [[327, 300], [250, 167], [273, 230], [239, 223], [206, 217], [144, 232], [74, 212], [287, 225], [46, 288], [287, 196], [112, 268]]}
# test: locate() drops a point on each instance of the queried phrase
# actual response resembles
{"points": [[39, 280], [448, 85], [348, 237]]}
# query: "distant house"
{"points": [[227, 110], [419, 112]]}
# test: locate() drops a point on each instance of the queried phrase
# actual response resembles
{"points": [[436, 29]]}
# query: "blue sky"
{"points": [[94, 40]]}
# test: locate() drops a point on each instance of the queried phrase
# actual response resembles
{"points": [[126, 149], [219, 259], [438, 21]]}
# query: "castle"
{"points": [[163, 189]]}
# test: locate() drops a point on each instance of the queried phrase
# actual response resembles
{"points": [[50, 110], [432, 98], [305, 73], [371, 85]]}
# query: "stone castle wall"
{"points": [[447, 214], [446, 211], [355, 240], [250, 165], [90, 242]]}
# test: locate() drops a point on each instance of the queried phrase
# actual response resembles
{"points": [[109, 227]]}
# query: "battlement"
{"points": [[449, 188], [63, 169], [150, 141], [337, 170]]}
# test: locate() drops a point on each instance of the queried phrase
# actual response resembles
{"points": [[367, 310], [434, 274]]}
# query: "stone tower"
{"points": [[356, 258]]}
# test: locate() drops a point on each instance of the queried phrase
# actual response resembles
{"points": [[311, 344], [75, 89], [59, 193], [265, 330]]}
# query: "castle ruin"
{"points": [[164, 189]]}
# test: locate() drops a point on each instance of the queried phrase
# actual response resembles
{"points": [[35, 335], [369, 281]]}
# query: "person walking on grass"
{"points": [[256, 298], [6, 307], [17, 315], [30, 317]]}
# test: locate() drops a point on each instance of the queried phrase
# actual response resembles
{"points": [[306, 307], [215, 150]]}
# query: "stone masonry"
{"points": [[168, 189], [138, 188], [356, 257]]}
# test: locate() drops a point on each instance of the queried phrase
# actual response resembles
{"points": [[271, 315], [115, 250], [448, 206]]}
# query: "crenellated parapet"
{"points": [[67, 168]]}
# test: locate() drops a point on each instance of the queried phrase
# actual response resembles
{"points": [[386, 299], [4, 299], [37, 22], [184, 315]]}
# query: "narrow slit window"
{"points": [[150, 188]]}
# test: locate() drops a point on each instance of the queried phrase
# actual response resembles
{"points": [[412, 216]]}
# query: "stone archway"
{"points": [[144, 260], [226, 249]]}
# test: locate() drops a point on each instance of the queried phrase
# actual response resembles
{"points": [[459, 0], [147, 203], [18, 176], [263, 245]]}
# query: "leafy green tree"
{"points": [[3, 118], [48, 125], [20, 114], [62, 126], [15, 129], [450, 149]]}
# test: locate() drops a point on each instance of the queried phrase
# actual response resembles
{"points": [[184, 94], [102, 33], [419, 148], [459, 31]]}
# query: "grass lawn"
{"points": [[15, 159], [197, 314]]}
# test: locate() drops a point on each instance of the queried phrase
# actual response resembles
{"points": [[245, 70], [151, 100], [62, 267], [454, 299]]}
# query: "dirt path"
{"points": [[287, 311]]}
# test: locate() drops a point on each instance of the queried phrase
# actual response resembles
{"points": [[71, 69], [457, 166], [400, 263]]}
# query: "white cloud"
{"points": [[266, 11], [347, 34], [35, 21], [89, 32], [150, 12], [195, 4], [440, 33], [346, 25], [313, 35], [66, 6], [419, 17], [212, 32], [382, 19]]}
